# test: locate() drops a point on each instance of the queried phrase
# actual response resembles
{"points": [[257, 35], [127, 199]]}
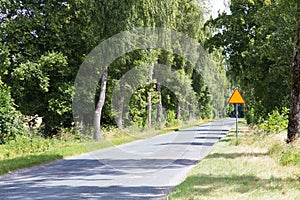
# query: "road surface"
{"points": [[145, 169]]}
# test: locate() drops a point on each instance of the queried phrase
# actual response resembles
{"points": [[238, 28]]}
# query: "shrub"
{"points": [[26, 144], [275, 121], [171, 119], [289, 157], [250, 116], [11, 120]]}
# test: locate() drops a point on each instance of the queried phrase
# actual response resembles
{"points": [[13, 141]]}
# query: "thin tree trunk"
{"points": [[294, 117], [178, 111], [100, 104], [149, 102], [120, 107], [149, 109], [159, 108], [189, 114]]}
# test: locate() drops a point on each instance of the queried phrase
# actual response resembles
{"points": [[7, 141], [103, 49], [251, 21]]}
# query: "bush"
{"points": [[275, 122], [70, 134], [250, 116], [286, 154], [289, 157], [171, 119], [24, 145], [11, 120]]}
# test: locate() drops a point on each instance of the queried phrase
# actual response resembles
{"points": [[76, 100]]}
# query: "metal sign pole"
{"points": [[237, 116], [236, 98]]}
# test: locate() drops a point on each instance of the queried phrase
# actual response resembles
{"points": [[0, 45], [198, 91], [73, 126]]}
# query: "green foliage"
{"points": [[172, 121], [257, 40], [42, 47], [45, 79], [290, 156], [24, 145], [4, 58], [285, 154], [275, 121], [138, 104], [250, 116], [11, 120], [69, 134]]}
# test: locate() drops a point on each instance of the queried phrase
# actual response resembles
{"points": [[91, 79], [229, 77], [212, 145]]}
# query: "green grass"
{"points": [[27, 152], [241, 171], [30, 159]]}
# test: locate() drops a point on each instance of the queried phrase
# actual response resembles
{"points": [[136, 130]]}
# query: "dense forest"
{"points": [[45, 43]]}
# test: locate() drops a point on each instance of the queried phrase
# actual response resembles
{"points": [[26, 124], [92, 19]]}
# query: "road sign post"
{"points": [[236, 120], [236, 98]]}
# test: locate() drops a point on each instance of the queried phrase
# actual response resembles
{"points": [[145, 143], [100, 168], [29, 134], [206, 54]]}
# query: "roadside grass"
{"points": [[30, 151], [247, 169], [56, 151]]}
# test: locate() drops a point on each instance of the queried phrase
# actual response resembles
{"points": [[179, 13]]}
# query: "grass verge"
{"points": [[27, 152], [245, 170]]}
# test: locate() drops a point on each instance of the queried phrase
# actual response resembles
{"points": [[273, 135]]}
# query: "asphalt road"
{"points": [[145, 169]]}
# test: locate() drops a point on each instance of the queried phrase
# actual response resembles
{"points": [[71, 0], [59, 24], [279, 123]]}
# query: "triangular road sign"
{"points": [[236, 97]]}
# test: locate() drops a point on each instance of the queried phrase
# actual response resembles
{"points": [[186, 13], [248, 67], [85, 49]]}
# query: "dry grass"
{"points": [[243, 171]]}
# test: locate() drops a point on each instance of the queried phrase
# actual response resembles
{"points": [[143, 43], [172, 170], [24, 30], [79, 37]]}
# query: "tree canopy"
{"points": [[44, 43], [258, 37]]}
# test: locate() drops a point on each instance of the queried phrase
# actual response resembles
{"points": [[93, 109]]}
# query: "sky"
{"points": [[217, 5]]}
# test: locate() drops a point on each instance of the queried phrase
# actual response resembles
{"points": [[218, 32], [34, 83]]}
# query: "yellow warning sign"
{"points": [[236, 97]]}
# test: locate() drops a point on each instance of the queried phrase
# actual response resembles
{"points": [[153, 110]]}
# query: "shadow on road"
{"points": [[88, 192], [208, 137], [209, 144], [51, 181], [235, 155], [204, 130]]}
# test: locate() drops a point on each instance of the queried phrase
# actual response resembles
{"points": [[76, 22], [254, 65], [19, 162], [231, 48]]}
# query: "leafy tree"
{"points": [[45, 50], [43, 43], [254, 37], [11, 120]]}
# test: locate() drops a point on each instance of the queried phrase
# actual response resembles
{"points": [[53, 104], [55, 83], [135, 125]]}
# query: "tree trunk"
{"points": [[294, 117], [189, 114], [159, 108], [149, 102], [149, 109], [100, 104], [120, 107], [178, 111]]}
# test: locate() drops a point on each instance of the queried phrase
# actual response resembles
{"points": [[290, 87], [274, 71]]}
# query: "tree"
{"points": [[11, 120], [45, 50], [100, 104], [43, 44], [254, 43], [294, 117]]}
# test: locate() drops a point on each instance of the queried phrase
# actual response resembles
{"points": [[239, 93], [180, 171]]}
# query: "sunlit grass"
{"points": [[243, 171]]}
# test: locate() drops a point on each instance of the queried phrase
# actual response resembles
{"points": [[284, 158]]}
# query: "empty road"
{"points": [[145, 169]]}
